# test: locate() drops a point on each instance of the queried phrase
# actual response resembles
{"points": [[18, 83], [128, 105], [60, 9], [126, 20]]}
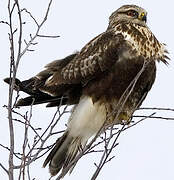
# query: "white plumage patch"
{"points": [[150, 48], [48, 80], [86, 119]]}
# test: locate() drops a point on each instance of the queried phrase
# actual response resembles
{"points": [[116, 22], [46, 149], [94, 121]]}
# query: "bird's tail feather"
{"points": [[25, 86], [36, 96], [42, 98], [63, 153]]}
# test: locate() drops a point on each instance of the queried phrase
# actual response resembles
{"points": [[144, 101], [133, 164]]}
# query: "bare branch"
{"points": [[13, 7], [4, 169], [11, 87], [154, 117], [4, 22], [104, 158], [156, 108], [27, 124], [15, 154], [37, 31], [32, 17], [19, 39], [46, 36]]}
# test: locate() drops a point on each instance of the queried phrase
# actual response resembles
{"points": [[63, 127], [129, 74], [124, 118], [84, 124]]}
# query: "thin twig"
{"points": [[156, 108], [39, 26], [30, 14], [46, 36], [4, 22], [4, 169], [154, 117], [105, 156], [14, 6], [11, 87]]}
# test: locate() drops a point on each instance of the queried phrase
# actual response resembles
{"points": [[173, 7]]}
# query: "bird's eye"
{"points": [[132, 13]]}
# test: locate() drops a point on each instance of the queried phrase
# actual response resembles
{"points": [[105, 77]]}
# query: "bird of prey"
{"points": [[106, 81]]}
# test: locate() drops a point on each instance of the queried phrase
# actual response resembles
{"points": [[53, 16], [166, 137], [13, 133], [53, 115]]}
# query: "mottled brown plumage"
{"points": [[106, 81]]}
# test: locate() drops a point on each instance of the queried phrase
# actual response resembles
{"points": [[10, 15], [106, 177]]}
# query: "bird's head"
{"points": [[128, 14]]}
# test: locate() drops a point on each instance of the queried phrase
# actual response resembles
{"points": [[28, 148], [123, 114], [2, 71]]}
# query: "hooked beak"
{"points": [[143, 17]]}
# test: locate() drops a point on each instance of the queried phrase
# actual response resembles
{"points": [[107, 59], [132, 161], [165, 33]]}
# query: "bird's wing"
{"points": [[32, 86], [99, 55], [67, 77]]}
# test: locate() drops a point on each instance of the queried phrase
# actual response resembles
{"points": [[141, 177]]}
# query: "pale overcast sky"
{"points": [[145, 151]]}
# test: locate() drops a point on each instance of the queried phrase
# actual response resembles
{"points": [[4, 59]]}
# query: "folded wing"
{"points": [[62, 81]]}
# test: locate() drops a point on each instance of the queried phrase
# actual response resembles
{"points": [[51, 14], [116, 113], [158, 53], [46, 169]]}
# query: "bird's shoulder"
{"points": [[96, 56]]}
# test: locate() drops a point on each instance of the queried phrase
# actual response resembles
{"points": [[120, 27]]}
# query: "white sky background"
{"points": [[146, 151]]}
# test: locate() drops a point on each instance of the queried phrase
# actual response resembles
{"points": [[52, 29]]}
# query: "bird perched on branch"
{"points": [[106, 81]]}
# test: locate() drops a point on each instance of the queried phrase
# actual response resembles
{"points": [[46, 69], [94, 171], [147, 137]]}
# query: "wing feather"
{"points": [[68, 76], [99, 55]]}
